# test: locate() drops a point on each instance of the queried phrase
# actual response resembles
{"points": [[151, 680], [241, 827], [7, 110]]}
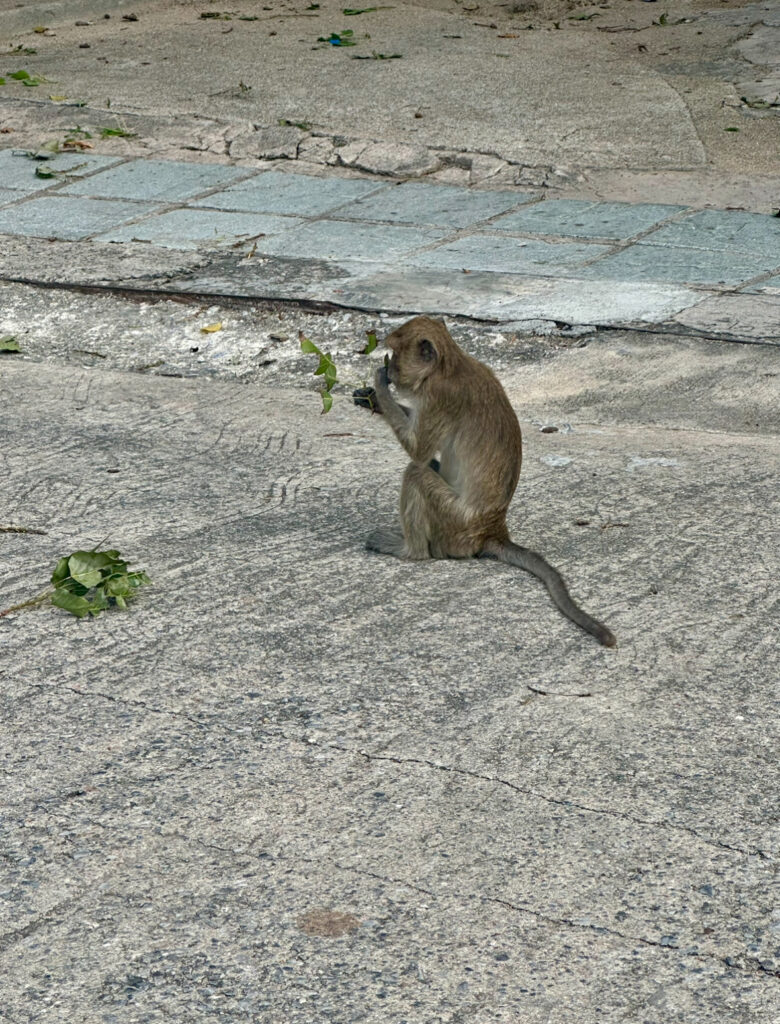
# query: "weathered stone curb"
{"points": [[30, 124]]}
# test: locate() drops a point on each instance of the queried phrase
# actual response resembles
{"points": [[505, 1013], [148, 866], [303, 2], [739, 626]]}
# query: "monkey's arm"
{"points": [[419, 448]]}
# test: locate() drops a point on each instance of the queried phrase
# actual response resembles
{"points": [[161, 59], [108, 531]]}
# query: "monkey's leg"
{"points": [[413, 542], [415, 517], [431, 509]]}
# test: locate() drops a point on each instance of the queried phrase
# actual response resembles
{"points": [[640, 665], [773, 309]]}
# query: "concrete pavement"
{"points": [[298, 784]]}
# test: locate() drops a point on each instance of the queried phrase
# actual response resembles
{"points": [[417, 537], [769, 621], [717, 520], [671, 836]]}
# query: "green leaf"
{"points": [[137, 579], [44, 172], [372, 344], [358, 10], [309, 347], [117, 586], [87, 561], [327, 402], [99, 602], [89, 578], [26, 78], [8, 343], [731, 129], [78, 606], [111, 133], [61, 572], [2, 81]]}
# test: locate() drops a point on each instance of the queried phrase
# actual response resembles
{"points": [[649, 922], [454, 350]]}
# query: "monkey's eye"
{"points": [[427, 351]]}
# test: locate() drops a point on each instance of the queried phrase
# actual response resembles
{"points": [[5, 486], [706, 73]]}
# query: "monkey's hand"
{"points": [[381, 379], [365, 398]]}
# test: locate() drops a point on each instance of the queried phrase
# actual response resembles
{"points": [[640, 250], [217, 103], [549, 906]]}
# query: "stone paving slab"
{"points": [[501, 254], [169, 180], [441, 205], [17, 170], [722, 232], [642, 262], [754, 317], [334, 240], [770, 284], [614, 260], [295, 194], [68, 217], [577, 218], [190, 229]]}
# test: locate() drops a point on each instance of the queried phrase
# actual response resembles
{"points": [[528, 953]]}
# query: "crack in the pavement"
{"points": [[568, 804], [147, 292], [129, 702], [14, 935], [450, 769], [747, 964]]}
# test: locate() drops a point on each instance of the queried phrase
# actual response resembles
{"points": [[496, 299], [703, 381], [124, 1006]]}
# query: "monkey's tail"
{"points": [[522, 558]]}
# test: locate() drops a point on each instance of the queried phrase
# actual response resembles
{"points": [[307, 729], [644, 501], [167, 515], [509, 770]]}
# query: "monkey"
{"points": [[465, 446]]}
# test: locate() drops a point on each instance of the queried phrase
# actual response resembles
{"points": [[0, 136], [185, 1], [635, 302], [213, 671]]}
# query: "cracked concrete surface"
{"points": [[283, 728]]}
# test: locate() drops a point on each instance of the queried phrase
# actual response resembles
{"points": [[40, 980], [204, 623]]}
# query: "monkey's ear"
{"points": [[428, 352]]}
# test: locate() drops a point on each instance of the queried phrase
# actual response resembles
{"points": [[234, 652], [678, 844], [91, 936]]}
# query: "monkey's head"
{"points": [[420, 348]]}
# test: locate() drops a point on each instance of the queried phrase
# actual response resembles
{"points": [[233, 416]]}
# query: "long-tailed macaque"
{"points": [[464, 441]]}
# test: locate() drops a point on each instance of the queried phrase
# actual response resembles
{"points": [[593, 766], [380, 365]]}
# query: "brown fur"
{"points": [[464, 441]]}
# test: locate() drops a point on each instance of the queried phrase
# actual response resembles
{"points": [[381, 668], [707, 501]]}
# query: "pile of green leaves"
{"points": [[88, 582]]}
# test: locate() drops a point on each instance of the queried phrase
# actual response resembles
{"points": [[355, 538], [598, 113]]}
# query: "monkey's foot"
{"points": [[386, 542]]}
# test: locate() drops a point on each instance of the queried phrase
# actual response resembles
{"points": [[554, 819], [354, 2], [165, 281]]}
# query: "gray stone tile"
{"points": [[501, 254], [438, 205], [508, 297], [191, 229], [67, 217], [723, 231], [599, 302], [576, 218], [770, 287], [641, 262], [740, 316], [165, 180], [8, 195], [301, 194], [18, 171], [337, 240]]}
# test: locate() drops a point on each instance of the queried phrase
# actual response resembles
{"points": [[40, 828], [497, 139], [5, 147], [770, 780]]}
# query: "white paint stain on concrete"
{"points": [[555, 460], [638, 462]]}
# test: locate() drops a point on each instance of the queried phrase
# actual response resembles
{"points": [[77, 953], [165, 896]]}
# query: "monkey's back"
{"points": [[483, 452]]}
